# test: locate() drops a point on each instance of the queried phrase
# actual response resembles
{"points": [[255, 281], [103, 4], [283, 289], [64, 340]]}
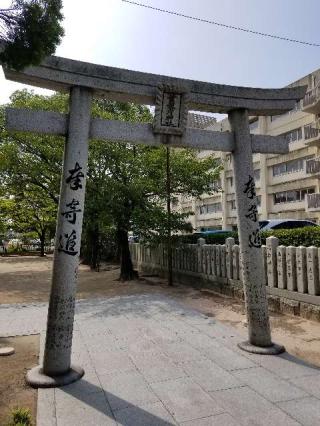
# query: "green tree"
{"points": [[29, 213], [126, 185], [131, 191], [30, 167], [30, 30]]}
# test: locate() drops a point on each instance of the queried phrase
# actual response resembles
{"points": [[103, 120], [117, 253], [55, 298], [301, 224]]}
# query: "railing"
{"points": [[27, 248], [313, 201], [311, 97], [313, 166], [294, 269], [311, 131]]}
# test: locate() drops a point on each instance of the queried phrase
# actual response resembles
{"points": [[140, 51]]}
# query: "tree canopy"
{"points": [[30, 30], [126, 184]]}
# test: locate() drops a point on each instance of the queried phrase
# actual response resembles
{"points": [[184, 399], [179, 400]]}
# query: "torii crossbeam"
{"points": [[172, 97]]}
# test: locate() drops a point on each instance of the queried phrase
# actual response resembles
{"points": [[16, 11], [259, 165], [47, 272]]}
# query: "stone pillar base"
{"points": [[274, 349], [37, 379], [6, 351]]}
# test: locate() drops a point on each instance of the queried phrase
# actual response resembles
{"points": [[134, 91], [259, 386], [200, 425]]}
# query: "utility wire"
{"points": [[219, 24]]}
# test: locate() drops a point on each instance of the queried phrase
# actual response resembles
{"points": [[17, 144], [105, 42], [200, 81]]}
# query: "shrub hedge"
{"points": [[308, 236]]}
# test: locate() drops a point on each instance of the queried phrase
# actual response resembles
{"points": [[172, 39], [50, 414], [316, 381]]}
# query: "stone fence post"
{"points": [[201, 242], [229, 253], [272, 273]]}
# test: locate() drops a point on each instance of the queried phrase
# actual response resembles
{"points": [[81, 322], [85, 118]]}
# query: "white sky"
{"points": [[115, 33]]}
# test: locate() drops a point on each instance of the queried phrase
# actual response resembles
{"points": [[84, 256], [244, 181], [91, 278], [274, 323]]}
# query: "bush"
{"points": [[307, 236]]}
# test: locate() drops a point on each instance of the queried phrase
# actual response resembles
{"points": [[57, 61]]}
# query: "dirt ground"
{"points": [[27, 280], [14, 393]]}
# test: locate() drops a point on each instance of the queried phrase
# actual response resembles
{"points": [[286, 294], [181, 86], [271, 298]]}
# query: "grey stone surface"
{"points": [[210, 376], [219, 420], [185, 399], [127, 389], [286, 366], [134, 375], [151, 415], [58, 73], [117, 131], [310, 384], [249, 232], [87, 409], [58, 345], [269, 385], [305, 410], [227, 358], [249, 408]]}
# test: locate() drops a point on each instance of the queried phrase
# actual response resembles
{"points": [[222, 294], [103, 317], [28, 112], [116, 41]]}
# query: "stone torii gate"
{"points": [[172, 98]]}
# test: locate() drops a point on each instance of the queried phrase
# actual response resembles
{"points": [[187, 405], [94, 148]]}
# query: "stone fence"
{"points": [[291, 274]]}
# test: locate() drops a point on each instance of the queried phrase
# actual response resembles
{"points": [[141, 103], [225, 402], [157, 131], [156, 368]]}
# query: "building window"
{"points": [[292, 196], [254, 125], [216, 185], [258, 200], [210, 208], [310, 131], [230, 181], [256, 174], [293, 135], [289, 167], [233, 205]]}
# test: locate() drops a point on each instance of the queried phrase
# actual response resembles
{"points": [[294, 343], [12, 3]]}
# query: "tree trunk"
{"points": [[42, 242], [94, 242], [126, 269]]}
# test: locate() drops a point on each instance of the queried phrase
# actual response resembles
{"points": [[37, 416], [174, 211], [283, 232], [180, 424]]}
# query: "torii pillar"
{"points": [[250, 240], [172, 97]]}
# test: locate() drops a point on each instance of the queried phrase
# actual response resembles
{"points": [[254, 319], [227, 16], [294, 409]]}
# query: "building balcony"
{"points": [[313, 202], [313, 166], [311, 101], [312, 133]]}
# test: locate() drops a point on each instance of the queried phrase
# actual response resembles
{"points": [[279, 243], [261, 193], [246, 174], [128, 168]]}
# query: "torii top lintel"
{"points": [[61, 74]]}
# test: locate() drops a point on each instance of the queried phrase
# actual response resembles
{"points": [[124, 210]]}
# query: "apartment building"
{"points": [[288, 186]]}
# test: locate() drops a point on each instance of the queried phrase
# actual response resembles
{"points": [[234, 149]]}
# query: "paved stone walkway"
{"points": [[150, 361]]}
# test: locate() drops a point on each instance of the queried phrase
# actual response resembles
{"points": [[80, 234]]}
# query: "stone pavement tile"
{"points": [[98, 345], [269, 385], [46, 408], [178, 326], [215, 329], [185, 400], [249, 408], [158, 368], [142, 344], [227, 358], [286, 366], [195, 318], [181, 352], [109, 362], [210, 376], [162, 335], [88, 384], [86, 409], [126, 389], [220, 420], [149, 358], [147, 415], [198, 340], [305, 410], [310, 384]]}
